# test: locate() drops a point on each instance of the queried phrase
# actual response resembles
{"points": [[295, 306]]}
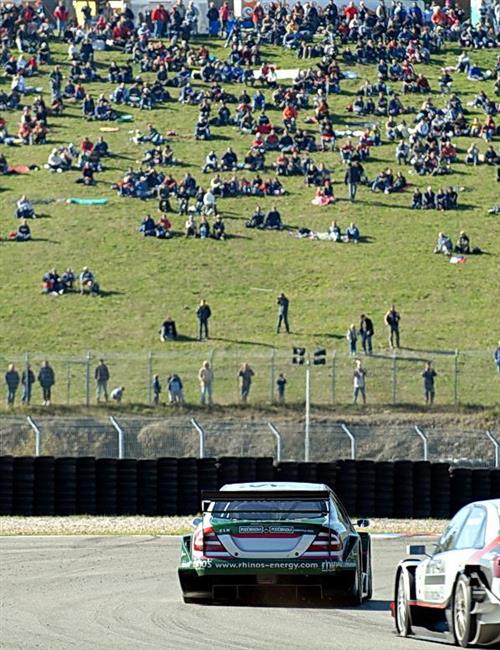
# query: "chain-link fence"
{"points": [[141, 437], [462, 377]]}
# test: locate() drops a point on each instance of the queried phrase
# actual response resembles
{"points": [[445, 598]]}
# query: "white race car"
{"points": [[455, 591]]}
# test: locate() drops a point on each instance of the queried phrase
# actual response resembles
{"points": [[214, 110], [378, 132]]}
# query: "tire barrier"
{"points": [[172, 486], [6, 485], [44, 497]]}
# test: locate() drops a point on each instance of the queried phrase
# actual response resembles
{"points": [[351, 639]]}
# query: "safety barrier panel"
{"points": [[403, 489]]}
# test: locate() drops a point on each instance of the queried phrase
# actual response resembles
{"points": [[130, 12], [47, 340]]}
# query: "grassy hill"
{"points": [[442, 306]]}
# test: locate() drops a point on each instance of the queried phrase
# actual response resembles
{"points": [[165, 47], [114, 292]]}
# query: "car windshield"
{"points": [[270, 510]]}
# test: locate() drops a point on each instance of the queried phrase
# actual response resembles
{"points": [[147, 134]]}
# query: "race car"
{"points": [[455, 591], [265, 539]]}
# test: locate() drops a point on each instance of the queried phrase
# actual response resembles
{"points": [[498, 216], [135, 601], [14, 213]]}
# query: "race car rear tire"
{"points": [[402, 598], [355, 595], [464, 623]]}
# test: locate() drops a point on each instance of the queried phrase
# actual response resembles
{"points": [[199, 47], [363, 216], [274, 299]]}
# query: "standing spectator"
{"points": [[27, 380], [352, 179], [280, 387], [352, 339], [61, 14], [203, 313], [206, 377], [283, 304], [12, 382], [429, 376], [156, 390], [392, 319], [117, 394], [245, 375], [175, 389], [359, 382], [101, 376], [46, 379], [496, 357], [366, 331]]}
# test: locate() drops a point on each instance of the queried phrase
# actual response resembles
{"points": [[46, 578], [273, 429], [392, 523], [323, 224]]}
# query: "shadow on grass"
{"points": [[239, 342]]}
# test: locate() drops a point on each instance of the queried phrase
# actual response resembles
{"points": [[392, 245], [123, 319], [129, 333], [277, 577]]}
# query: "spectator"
{"points": [[27, 380], [46, 379], [280, 387], [23, 232], [168, 331], [352, 339], [359, 382], [444, 244], [203, 314], [101, 376], [496, 357], [24, 209], [429, 376], [392, 319], [156, 390], [283, 304], [175, 389], [366, 331], [88, 282], [206, 377], [117, 394], [273, 220], [352, 179], [245, 375], [12, 383]]}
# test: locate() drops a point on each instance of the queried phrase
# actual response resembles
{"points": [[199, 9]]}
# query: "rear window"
{"points": [[270, 510]]}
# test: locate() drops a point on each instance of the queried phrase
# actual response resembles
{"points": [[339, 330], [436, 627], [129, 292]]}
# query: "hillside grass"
{"points": [[443, 306]]}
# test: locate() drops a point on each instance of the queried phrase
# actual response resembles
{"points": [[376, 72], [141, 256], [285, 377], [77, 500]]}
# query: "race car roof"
{"points": [[279, 486]]}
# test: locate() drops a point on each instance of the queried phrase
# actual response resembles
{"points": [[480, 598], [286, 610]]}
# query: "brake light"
{"points": [[207, 544], [326, 542], [198, 540], [496, 566]]}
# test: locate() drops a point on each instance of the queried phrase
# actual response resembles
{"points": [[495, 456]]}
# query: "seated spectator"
{"points": [[211, 163], [168, 331], [204, 228], [219, 229], [52, 283], [417, 200], [429, 199], [68, 278], [24, 209], [491, 157], [443, 245], [148, 226], [87, 177], [472, 155], [273, 220], [88, 283], [190, 227], [23, 232], [451, 199], [352, 233], [229, 160], [117, 394], [334, 232], [463, 244], [257, 219]]}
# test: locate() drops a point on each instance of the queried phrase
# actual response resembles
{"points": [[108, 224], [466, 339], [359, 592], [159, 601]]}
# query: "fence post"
{"points": [[121, 437], [150, 377], [38, 435], [394, 377], [27, 387], [87, 379], [279, 439], [202, 435], [352, 439], [68, 382], [308, 411], [334, 378], [424, 440], [496, 444], [455, 378], [272, 375]]}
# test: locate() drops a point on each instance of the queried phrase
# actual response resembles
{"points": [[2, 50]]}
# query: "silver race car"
{"points": [[455, 591]]}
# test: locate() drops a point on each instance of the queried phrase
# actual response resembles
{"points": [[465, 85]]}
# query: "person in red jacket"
{"points": [[224, 16], [350, 11], [61, 14], [159, 16]]}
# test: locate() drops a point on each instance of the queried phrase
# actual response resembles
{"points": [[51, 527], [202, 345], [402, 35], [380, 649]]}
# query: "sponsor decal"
{"points": [[202, 564], [266, 529], [251, 529]]}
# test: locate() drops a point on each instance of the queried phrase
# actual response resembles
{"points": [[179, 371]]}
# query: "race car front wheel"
{"points": [[464, 623], [403, 618]]}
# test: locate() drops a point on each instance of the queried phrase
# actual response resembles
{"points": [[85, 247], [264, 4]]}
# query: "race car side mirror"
{"points": [[416, 549], [363, 523], [196, 522]]}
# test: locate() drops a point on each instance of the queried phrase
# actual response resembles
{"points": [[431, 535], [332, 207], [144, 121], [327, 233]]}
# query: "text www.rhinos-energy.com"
{"points": [[293, 566]]}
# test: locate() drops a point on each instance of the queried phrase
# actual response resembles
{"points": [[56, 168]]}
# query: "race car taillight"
{"points": [[326, 542], [496, 566], [206, 543], [198, 540]]}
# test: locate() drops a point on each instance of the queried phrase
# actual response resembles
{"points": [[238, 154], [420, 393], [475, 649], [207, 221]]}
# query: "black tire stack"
{"points": [[287, 471], [187, 497], [147, 487], [307, 472], [44, 503], [440, 490], [247, 470], [106, 490], [23, 485], [207, 474], [65, 476], [264, 469], [126, 486], [365, 481], [384, 489], [346, 484], [495, 484], [85, 486], [481, 484], [422, 482], [403, 489], [326, 473], [228, 470], [6, 485], [461, 488], [166, 494]]}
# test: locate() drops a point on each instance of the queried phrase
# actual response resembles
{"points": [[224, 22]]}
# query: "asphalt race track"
{"points": [[121, 592]]}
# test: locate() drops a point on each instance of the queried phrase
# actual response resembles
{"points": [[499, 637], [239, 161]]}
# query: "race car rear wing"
{"points": [[210, 496]]}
